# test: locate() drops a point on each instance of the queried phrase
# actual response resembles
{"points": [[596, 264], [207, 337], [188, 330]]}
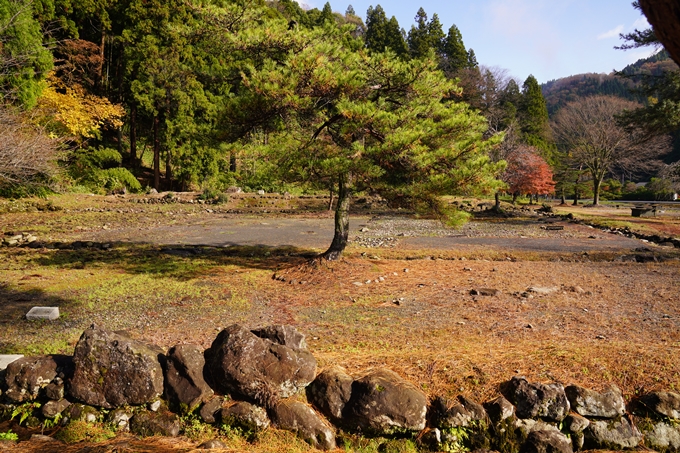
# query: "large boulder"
{"points": [[305, 422], [113, 370], [185, 386], [261, 369], [248, 417], [662, 404], [551, 441], [662, 436], [27, 377], [588, 403], [534, 400], [611, 435], [330, 391], [383, 403], [148, 423]]}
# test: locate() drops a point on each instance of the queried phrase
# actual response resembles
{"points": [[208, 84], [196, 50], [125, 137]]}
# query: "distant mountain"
{"points": [[560, 92]]}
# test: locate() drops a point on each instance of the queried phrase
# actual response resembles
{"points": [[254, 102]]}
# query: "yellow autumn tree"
{"points": [[69, 111]]}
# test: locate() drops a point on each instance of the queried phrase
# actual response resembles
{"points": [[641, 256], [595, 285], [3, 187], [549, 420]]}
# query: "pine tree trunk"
{"points": [[232, 162], [575, 203], [168, 170], [330, 202], [341, 220], [497, 204], [156, 154], [133, 137], [514, 198]]}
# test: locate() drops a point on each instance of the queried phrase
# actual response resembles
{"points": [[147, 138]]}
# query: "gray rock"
{"points": [[184, 384], [383, 403], [284, 335], [53, 408], [666, 404], [246, 416], [330, 391], [259, 369], [611, 434], [120, 418], [81, 412], [209, 409], [40, 313], [662, 437], [213, 444], [305, 422], [54, 391], [575, 423], [499, 409], [446, 414], [546, 442], [112, 370], [26, 377], [533, 400], [484, 292], [527, 426], [153, 423], [588, 403]]}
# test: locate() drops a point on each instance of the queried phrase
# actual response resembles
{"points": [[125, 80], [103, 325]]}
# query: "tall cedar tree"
{"points": [[368, 121], [534, 121], [425, 36], [455, 56], [384, 34]]}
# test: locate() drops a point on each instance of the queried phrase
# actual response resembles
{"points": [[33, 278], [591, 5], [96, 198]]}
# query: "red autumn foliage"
{"points": [[528, 173]]}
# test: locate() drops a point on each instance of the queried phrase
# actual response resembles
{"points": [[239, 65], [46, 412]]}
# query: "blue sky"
{"points": [[547, 38]]}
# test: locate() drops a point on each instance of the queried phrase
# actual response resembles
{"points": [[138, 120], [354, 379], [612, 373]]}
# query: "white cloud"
{"points": [[641, 24], [613, 33]]}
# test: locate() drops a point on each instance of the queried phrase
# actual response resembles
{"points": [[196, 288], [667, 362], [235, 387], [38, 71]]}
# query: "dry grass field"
{"points": [[598, 316]]}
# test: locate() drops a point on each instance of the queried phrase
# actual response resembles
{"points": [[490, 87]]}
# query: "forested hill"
{"points": [[560, 92]]}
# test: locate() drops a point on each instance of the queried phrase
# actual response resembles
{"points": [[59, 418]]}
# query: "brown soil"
{"points": [[403, 303]]}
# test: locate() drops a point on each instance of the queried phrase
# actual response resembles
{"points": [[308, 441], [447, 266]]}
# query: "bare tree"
{"points": [[27, 154], [588, 133]]}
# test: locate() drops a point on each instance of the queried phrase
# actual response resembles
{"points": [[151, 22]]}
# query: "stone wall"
{"points": [[271, 379]]}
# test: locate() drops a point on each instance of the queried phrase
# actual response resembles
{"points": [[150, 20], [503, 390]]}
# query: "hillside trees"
{"points": [[588, 133], [367, 121], [425, 36], [382, 33]]}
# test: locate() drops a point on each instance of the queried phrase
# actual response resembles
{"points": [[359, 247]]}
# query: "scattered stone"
{"points": [[184, 383], [666, 404], [383, 403], [546, 442], [248, 417], [81, 412], [330, 391], [55, 391], [260, 192], [589, 403], [576, 423], [26, 377], [234, 189], [542, 291], [151, 424], [112, 370], [307, 424], [49, 313], [260, 369], [154, 406], [533, 400], [576, 289], [611, 434], [42, 438], [120, 418], [484, 292], [213, 444]]}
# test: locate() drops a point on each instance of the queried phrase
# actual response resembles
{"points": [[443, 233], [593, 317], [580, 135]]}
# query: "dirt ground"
{"points": [[402, 297]]}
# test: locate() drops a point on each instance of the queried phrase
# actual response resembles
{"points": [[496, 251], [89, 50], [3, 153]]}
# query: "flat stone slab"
{"points": [[6, 359], [49, 313]]}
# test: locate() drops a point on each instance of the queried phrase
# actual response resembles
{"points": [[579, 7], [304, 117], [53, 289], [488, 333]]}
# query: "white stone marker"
{"points": [[6, 359], [49, 313]]}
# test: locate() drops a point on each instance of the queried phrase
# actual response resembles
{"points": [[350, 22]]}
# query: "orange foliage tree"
{"points": [[528, 173]]}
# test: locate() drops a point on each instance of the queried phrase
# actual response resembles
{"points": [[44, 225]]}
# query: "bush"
{"points": [[99, 169]]}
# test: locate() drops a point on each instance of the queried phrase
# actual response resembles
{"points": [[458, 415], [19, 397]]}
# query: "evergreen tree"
{"points": [[24, 61], [534, 122], [472, 59], [425, 36], [366, 122], [383, 34], [455, 57]]}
